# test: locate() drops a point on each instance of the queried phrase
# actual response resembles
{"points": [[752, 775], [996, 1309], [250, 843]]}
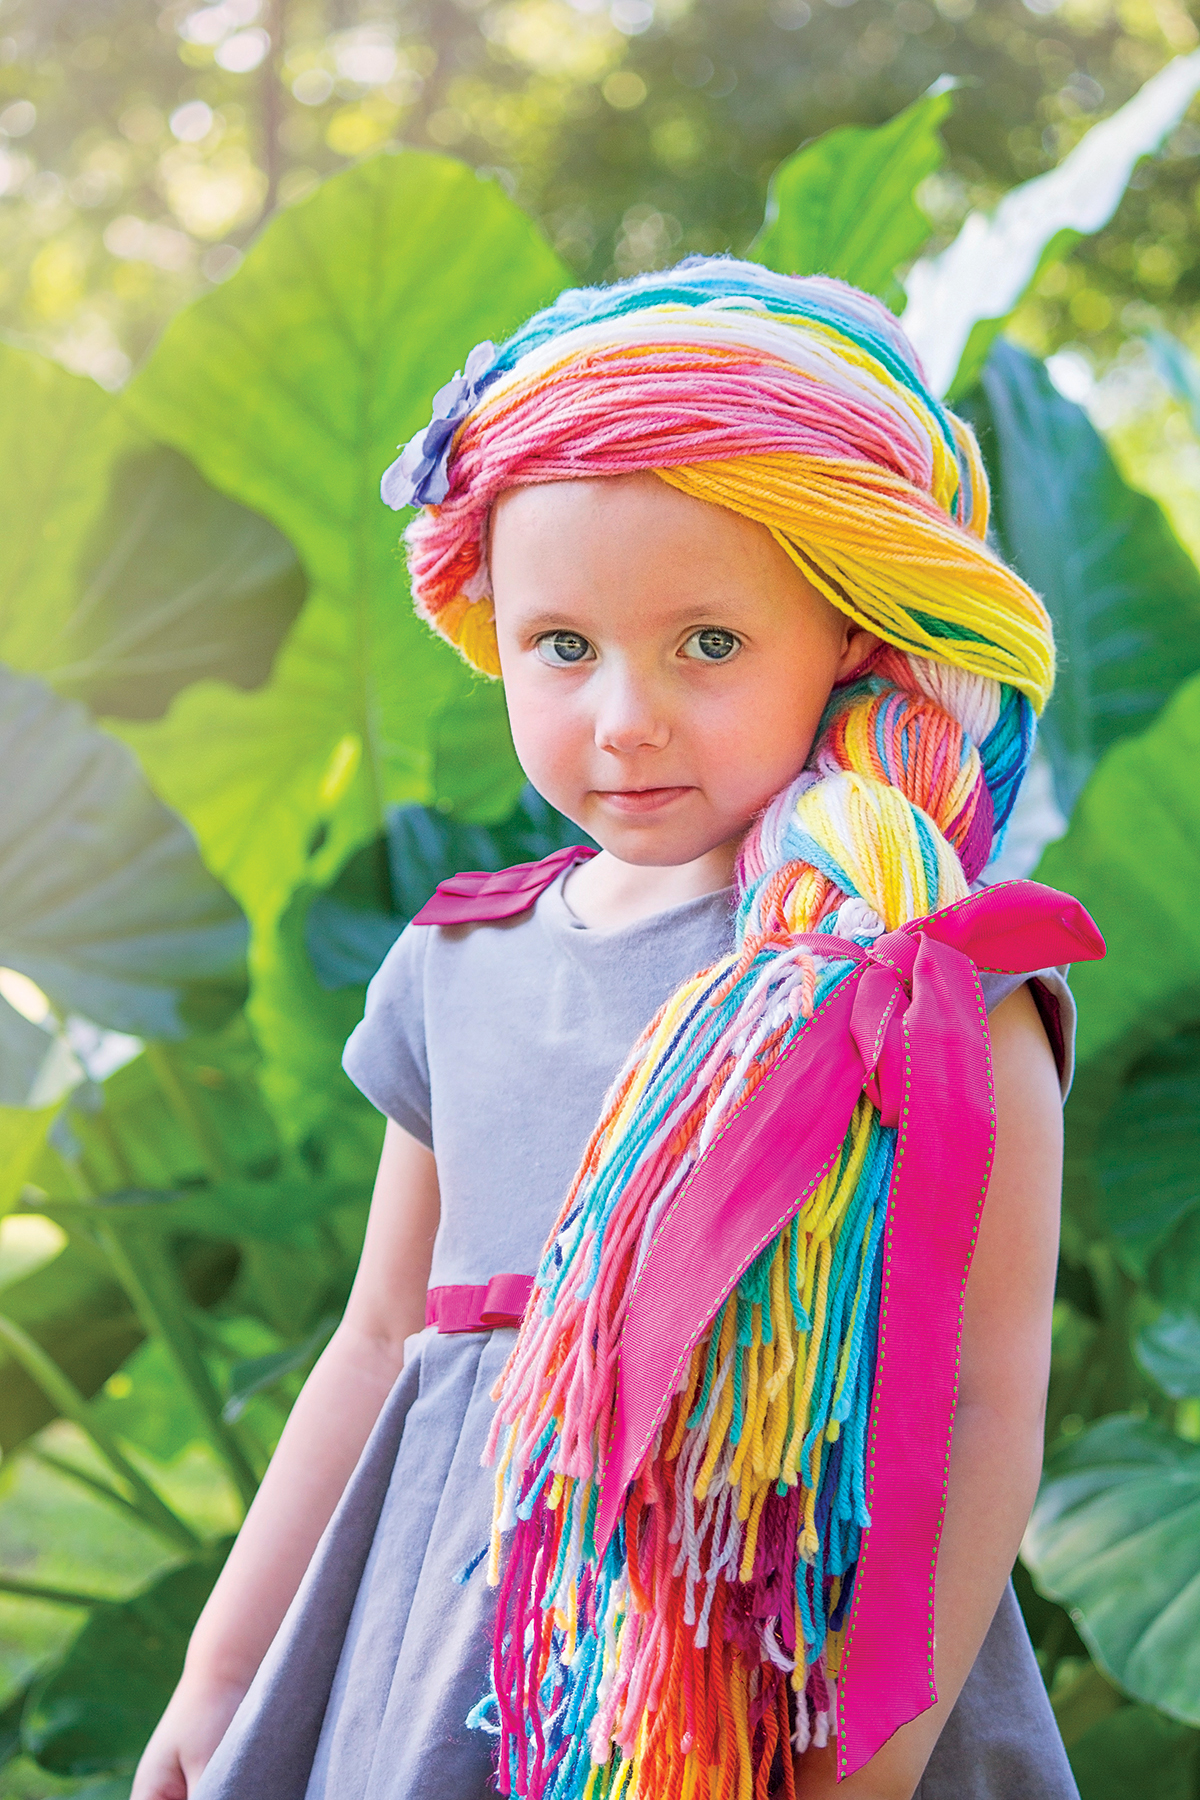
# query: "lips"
{"points": [[634, 802]]}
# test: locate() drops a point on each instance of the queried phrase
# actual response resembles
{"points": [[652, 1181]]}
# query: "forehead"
{"points": [[632, 554], [632, 526]]}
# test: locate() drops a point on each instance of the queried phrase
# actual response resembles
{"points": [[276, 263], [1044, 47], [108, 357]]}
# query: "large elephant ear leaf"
{"points": [[844, 205], [175, 584], [1169, 1351], [1132, 855], [1135, 1750], [1123, 593], [959, 300], [1146, 1158], [104, 901], [125, 576], [95, 1710], [290, 387], [23, 1131], [60, 437], [1115, 1537]]}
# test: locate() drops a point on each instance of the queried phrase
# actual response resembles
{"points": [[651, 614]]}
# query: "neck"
{"points": [[606, 893]]}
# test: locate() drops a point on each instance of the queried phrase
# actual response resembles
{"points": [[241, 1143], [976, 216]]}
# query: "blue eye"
{"points": [[561, 649], [712, 644]]}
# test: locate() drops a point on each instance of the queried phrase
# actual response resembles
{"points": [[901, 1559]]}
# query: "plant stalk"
{"points": [[143, 1267], [66, 1399], [73, 1472], [36, 1590]]}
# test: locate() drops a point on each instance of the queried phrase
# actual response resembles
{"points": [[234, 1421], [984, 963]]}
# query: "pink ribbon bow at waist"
{"points": [[908, 1026], [489, 1306]]}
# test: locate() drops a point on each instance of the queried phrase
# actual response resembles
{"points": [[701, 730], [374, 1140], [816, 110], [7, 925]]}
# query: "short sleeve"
{"points": [[1054, 1001], [385, 1055]]}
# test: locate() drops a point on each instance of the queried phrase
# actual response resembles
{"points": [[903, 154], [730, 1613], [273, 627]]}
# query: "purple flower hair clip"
{"points": [[419, 475]]}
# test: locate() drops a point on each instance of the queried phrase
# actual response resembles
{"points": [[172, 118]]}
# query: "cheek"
{"points": [[549, 740], [759, 738]]}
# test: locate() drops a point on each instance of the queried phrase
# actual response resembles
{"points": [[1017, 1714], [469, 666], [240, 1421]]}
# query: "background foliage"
{"points": [[237, 766]]}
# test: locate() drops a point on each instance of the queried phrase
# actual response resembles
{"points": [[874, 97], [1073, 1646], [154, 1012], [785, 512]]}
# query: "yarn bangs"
{"points": [[798, 404]]}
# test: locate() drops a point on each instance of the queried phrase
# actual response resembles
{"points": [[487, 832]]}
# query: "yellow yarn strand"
{"points": [[879, 551]]}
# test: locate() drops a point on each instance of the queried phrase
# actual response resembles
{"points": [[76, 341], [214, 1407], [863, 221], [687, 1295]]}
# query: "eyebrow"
{"points": [[547, 619]]}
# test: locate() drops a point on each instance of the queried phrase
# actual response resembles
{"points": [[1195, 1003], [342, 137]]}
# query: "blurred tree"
{"points": [[142, 141]]}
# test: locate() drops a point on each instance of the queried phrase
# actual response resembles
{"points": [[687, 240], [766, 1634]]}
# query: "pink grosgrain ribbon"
{"points": [[908, 1025], [486, 1307]]}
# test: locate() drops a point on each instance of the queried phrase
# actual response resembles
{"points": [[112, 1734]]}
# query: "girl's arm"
{"points": [[996, 1456], [321, 1443]]}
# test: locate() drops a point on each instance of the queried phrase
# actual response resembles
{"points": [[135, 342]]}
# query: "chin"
{"points": [[650, 849]]}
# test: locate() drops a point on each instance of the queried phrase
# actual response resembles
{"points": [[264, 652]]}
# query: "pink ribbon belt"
{"points": [[907, 1024], [499, 1302]]}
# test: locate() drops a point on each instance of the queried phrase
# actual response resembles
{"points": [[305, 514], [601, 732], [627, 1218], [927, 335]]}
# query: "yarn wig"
{"points": [[677, 1657]]}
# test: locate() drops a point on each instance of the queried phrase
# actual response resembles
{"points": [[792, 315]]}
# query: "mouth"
{"points": [[635, 802]]}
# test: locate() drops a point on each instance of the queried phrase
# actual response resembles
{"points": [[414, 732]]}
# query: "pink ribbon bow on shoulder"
{"points": [[908, 1025]]}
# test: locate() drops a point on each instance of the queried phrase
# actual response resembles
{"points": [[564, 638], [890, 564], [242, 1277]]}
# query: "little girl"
{"points": [[728, 554]]}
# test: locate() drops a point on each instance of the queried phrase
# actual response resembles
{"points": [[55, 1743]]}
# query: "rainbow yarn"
{"points": [[688, 1657], [797, 403]]}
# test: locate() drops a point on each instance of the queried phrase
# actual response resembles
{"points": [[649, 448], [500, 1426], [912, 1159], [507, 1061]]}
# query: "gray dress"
{"points": [[494, 1044]]}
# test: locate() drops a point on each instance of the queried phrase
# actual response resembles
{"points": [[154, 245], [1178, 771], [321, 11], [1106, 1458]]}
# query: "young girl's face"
{"points": [[665, 663]]}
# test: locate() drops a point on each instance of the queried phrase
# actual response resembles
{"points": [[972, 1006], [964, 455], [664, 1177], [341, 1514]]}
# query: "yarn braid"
{"points": [[688, 1656]]}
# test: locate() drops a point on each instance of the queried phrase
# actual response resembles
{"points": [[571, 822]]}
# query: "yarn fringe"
{"points": [[701, 1649]]}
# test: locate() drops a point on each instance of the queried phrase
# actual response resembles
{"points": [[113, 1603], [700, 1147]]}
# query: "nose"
{"points": [[630, 713]]}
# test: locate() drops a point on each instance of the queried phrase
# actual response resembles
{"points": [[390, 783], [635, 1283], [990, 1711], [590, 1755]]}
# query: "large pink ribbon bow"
{"points": [[908, 1025]]}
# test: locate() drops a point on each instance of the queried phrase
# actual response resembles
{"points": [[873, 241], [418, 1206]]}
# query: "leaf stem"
{"points": [[37, 1590], [63, 1466], [143, 1266], [67, 1400]]}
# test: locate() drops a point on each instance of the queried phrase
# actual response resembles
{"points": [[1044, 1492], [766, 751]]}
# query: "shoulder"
{"points": [[1052, 1007], [1025, 1068], [395, 1000], [478, 896]]}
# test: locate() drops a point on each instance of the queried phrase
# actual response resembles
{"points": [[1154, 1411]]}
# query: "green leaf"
{"points": [[1136, 1751], [336, 1131], [281, 1211], [992, 262], [104, 901], [24, 1048], [95, 1711], [74, 1310], [148, 1405], [260, 1372], [1169, 1351], [844, 205], [22, 1134], [1123, 593], [1147, 1155], [1173, 1276], [125, 575], [352, 925], [290, 387], [10, 1727], [1132, 855], [175, 584], [60, 436], [138, 1134], [1115, 1536]]}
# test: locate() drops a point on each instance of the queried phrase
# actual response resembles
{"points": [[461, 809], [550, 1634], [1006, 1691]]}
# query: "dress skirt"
{"points": [[365, 1692]]}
